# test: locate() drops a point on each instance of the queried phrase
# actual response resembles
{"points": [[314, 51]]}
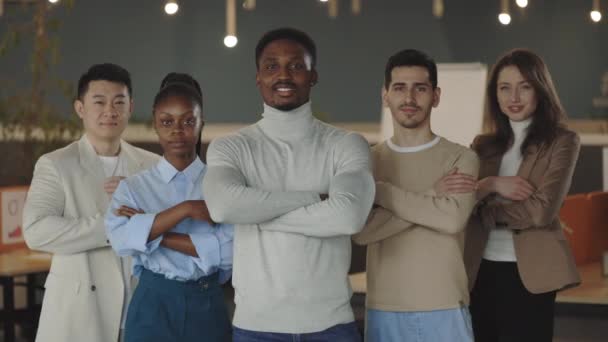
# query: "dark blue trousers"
{"points": [[166, 310]]}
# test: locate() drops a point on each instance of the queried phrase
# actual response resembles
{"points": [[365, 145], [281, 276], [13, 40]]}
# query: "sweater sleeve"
{"points": [[381, 224], [444, 213], [351, 193], [229, 198]]}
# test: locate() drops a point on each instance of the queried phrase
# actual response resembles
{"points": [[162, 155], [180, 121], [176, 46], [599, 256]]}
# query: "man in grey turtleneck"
{"points": [[296, 189]]}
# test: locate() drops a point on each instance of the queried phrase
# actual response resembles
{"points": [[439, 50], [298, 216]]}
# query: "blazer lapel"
{"points": [[133, 164], [490, 166], [528, 162], [91, 163]]}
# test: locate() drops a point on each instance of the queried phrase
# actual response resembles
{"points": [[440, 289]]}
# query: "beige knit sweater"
{"points": [[415, 238]]}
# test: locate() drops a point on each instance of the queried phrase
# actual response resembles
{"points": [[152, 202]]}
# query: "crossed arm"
{"points": [[45, 226], [350, 194], [444, 208]]}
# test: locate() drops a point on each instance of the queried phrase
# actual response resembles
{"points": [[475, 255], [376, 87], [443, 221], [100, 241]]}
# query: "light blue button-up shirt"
{"points": [[154, 190]]}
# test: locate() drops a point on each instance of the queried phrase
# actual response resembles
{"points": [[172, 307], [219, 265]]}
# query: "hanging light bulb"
{"points": [[53, 1], [333, 8], [323, 0], [504, 17], [355, 7], [595, 13], [438, 8], [249, 5], [522, 3], [171, 7], [230, 40]]}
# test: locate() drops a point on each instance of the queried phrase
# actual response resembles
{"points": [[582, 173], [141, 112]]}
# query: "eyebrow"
{"points": [[103, 96], [182, 114], [414, 84], [520, 82]]}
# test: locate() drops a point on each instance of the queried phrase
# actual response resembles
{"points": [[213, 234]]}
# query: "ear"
{"points": [[314, 77], [384, 95], [436, 97], [257, 78], [131, 106], [79, 108]]}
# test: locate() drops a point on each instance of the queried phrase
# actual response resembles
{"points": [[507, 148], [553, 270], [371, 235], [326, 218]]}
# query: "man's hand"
{"points": [[111, 183], [197, 210], [455, 183], [127, 211], [514, 188]]}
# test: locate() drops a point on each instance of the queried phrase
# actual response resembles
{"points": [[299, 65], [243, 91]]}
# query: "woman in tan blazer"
{"points": [[516, 254]]}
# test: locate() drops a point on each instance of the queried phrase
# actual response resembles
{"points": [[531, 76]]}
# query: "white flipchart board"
{"points": [[459, 116]]}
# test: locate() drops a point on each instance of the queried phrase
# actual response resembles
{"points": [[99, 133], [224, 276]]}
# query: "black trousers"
{"points": [[503, 310]]}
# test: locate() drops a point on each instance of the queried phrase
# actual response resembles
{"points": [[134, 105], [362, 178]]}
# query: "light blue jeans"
{"points": [[453, 325]]}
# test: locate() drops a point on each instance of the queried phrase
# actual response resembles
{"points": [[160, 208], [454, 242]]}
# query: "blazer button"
{"points": [[516, 232], [107, 241], [93, 288]]}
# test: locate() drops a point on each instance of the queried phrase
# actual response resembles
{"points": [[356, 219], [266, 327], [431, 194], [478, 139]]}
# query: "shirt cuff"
{"points": [[141, 226], [208, 249]]}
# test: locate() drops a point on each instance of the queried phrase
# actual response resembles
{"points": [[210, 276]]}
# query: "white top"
{"points": [[292, 251], [410, 149], [112, 166], [500, 242]]}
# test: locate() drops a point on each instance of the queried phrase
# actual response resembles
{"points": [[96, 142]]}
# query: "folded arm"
{"points": [[447, 213], [380, 225], [543, 206], [45, 228], [350, 197], [129, 235], [231, 200]]}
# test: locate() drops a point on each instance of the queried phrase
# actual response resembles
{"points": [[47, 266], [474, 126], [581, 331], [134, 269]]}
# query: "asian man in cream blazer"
{"points": [[88, 286]]}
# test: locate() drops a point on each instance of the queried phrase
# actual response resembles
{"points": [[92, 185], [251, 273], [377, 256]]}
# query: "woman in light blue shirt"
{"points": [[159, 217]]}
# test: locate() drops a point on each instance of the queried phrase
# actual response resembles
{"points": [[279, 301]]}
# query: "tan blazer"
{"points": [[544, 258], [64, 215]]}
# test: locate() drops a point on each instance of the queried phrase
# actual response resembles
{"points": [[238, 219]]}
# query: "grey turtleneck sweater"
{"points": [[291, 250]]}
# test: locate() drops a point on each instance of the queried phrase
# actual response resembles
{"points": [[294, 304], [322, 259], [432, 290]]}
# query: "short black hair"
{"points": [[104, 72], [410, 57], [286, 33]]}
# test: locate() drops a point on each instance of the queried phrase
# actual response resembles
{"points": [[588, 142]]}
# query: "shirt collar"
{"points": [[168, 171]]}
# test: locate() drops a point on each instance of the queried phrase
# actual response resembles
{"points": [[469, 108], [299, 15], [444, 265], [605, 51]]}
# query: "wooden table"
{"points": [[593, 289], [16, 264]]}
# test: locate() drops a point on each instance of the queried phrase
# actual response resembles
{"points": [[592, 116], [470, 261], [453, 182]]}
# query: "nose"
{"points": [[111, 110], [178, 128], [515, 95], [410, 98], [284, 73]]}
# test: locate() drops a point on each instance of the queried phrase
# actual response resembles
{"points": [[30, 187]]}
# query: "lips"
{"points": [[408, 109], [111, 124], [284, 88], [177, 143], [515, 109]]}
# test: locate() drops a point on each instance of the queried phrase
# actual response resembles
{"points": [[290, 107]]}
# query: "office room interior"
{"points": [[45, 45]]}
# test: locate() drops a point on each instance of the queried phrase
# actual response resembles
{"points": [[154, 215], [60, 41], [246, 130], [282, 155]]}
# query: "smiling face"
{"points": [[516, 96], [178, 121], [105, 110], [285, 75], [410, 96]]}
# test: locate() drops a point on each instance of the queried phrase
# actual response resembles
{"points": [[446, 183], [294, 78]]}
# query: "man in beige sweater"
{"points": [[416, 280]]}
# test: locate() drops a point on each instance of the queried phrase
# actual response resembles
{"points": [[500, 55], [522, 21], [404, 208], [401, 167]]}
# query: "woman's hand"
{"points": [[127, 211], [514, 188]]}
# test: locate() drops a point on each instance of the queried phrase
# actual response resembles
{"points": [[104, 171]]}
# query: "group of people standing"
{"points": [[462, 244]]}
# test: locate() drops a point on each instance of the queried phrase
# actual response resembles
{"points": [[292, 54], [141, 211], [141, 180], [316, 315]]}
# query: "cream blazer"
{"points": [[64, 215]]}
